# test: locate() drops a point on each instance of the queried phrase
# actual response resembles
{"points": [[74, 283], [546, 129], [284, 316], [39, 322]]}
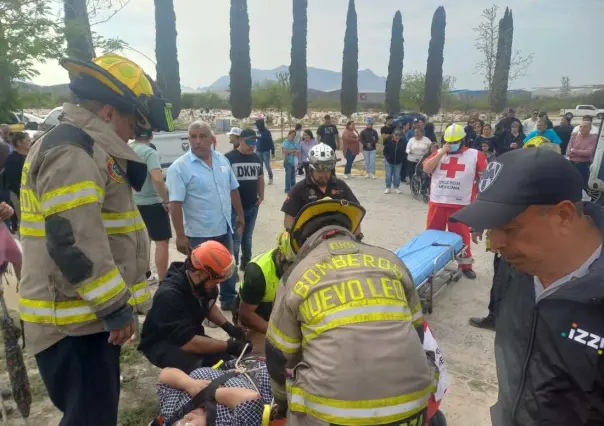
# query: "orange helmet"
{"points": [[215, 259]]}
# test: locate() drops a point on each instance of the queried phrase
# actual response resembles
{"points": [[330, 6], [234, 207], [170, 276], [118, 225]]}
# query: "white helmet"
{"points": [[322, 157]]}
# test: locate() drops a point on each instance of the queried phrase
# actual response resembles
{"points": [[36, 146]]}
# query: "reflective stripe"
{"points": [[57, 313], [418, 316], [32, 225], [104, 288], [374, 411], [368, 310], [123, 223], [281, 341], [71, 196], [140, 293]]}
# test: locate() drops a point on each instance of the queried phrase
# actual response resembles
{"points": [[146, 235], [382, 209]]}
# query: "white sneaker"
{"points": [[368, 175], [387, 191], [397, 191], [372, 175], [346, 176]]}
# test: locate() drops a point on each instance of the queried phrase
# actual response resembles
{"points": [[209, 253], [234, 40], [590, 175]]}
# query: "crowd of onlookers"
{"points": [[577, 143]]}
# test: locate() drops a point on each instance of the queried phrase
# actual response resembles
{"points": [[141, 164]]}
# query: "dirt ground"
{"points": [[391, 221]]}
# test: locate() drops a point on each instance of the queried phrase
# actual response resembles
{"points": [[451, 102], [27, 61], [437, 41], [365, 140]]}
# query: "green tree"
{"points": [[413, 90], [241, 67], [297, 70], [166, 53], [501, 74], [395, 66], [203, 100], [350, 64], [434, 69], [28, 34]]}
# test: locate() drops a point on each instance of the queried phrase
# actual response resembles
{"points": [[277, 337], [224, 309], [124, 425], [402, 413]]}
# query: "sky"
{"points": [[564, 37]]}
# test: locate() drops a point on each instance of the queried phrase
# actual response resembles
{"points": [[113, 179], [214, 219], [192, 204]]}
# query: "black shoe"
{"points": [[488, 322], [242, 266], [469, 273]]}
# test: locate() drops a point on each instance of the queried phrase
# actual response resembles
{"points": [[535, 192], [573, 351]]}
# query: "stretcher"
{"points": [[429, 257]]}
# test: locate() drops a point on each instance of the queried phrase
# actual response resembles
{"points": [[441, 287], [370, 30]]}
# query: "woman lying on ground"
{"points": [[239, 401]]}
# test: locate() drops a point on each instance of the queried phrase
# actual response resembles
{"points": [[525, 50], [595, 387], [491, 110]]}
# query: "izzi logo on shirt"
{"points": [[246, 171], [585, 338]]}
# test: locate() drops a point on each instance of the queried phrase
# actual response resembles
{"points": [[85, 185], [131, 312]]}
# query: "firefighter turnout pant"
{"points": [[300, 419], [438, 218]]}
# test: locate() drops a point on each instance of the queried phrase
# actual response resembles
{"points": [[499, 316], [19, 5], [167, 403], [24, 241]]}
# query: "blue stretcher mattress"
{"points": [[419, 253]]}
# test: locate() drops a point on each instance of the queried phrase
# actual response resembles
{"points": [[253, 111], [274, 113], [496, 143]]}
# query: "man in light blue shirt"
{"points": [[203, 189]]}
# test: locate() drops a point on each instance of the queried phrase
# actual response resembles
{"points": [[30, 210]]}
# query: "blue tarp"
{"points": [[419, 253]]}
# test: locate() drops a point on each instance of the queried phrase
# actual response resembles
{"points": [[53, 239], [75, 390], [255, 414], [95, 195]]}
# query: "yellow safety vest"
{"points": [[267, 265]]}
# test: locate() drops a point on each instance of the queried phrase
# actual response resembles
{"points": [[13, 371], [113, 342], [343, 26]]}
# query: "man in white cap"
{"points": [[234, 136]]}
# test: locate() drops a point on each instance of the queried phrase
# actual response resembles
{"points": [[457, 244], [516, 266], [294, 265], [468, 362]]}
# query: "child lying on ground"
{"points": [[239, 403]]}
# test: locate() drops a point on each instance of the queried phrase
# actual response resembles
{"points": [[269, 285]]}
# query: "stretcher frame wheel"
{"points": [[428, 302]]}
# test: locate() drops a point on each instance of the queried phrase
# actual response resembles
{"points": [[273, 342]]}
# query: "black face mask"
{"points": [[206, 297]]}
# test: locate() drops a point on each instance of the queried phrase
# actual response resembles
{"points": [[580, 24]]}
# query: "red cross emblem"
{"points": [[452, 167]]}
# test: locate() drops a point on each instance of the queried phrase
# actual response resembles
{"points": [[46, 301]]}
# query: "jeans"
{"points": [[370, 161], [244, 242], [393, 175], [583, 168], [228, 288], [290, 176], [349, 160], [403, 171], [265, 160]]}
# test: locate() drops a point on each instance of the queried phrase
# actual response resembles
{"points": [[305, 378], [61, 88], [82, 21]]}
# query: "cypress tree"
{"points": [[166, 54], [241, 68], [298, 74], [350, 64], [434, 70], [77, 30], [395, 66], [501, 75]]}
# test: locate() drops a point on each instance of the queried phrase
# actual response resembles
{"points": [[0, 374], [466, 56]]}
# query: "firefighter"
{"points": [[347, 314], [85, 245]]}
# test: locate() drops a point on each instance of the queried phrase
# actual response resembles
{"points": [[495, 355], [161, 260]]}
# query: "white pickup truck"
{"points": [[170, 146], [583, 110]]}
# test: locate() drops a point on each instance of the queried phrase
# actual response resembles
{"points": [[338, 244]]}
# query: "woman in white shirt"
{"points": [[418, 146]]}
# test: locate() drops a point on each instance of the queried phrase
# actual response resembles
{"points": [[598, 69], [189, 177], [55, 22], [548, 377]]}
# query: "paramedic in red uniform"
{"points": [[455, 170]]}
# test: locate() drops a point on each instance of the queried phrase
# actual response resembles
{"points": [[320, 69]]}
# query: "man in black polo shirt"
{"points": [[328, 134], [318, 184]]}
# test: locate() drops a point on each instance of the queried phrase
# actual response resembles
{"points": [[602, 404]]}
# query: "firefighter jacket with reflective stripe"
{"points": [[85, 246], [347, 322], [266, 263]]}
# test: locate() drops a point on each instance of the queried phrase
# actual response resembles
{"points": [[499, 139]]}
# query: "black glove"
{"points": [[234, 331], [236, 347]]}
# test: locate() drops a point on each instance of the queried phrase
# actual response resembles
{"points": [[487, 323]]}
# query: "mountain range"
{"points": [[318, 79]]}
